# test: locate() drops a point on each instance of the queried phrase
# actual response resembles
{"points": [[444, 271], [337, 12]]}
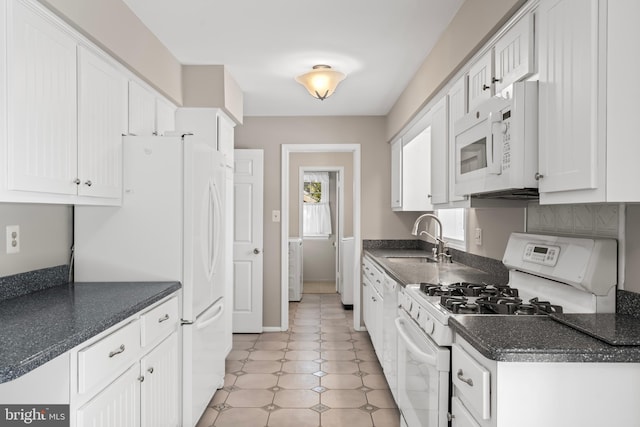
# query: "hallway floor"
{"points": [[320, 373]]}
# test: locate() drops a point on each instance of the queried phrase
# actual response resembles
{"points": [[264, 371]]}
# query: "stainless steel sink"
{"points": [[410, 259]]}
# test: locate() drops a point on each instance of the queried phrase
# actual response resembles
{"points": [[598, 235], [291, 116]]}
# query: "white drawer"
{"points": [[160, 321], [471, 381], [106, 357], [376, 277]]}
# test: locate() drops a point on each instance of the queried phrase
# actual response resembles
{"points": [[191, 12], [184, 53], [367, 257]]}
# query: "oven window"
{"points": [[473, 156]]}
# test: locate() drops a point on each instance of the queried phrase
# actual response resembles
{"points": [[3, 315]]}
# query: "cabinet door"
{"points": [[118, 405], [102, 98], [480, 80], [378, 313], [142, 111], [416, 169], [165, 116], [568, 121], [396, 174], [457, 109], [42, 119], [160, 389], [367, 290], [439, 153], [514, 54]]}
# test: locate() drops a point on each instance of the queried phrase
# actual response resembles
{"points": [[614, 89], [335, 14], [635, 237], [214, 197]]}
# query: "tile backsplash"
{"points": [[597, 220]]}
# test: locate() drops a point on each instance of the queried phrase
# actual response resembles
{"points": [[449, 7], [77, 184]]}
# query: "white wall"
{"points": [[45, 236]]}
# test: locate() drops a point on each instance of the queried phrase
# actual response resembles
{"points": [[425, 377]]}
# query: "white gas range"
{"points": [[547, 274]]}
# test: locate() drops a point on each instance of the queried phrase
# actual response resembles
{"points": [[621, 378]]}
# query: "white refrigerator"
{"points": [[171, 226]]}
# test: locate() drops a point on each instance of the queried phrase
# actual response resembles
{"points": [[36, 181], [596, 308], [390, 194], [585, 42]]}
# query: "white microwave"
{"points": [[496, 145]]}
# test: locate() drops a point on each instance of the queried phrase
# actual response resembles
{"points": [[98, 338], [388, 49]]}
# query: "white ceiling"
{"points": [[378, 44]]}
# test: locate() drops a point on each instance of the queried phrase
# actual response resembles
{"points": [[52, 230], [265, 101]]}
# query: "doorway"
{"points": [[326, 156], [321, 215]]}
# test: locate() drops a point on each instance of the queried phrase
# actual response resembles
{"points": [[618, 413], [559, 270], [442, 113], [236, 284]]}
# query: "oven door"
{"points": [[423, 376]]}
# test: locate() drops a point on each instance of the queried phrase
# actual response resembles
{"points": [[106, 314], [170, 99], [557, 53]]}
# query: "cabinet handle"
{"points": [[494, 80], [428, 196], [117, 351], [88, 183], [463, 379], [155, 133], [141, 378], [163, 318], [450, 416], [150, 370], [538, 176], [77, 181], [485, 87]]}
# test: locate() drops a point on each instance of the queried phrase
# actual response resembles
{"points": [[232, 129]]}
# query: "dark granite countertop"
{"points": [[415, 272], [40, 326], [536, 339]]}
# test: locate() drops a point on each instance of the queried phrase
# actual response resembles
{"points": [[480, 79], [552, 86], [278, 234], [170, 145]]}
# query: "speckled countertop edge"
{"points": [[537, 339], [38, 327]]}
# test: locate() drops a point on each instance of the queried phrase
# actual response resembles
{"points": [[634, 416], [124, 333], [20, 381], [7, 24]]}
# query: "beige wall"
{"points": [[45, 236], [114, 27], [496, 224], [472, 26], [212, 86], [298, 160], [377, 222]]}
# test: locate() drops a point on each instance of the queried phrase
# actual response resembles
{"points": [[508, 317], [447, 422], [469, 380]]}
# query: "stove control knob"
{"points": [[429, 326]]}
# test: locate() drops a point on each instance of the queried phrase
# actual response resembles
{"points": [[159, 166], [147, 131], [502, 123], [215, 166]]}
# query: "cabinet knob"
{"points": [[150, 370], [494, 80], [256, 251], [77, 181], [428, 196], [141, 378], [88, 183], [538, 176], [485, 87], [450, 416]]}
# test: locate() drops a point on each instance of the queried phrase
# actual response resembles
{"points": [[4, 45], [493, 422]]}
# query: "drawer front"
{"points": [[471, 382], [376, 277], [159, 322], [105, 358]]}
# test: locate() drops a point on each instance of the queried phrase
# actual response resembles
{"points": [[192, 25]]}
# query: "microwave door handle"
{"points": [[494, 149]]}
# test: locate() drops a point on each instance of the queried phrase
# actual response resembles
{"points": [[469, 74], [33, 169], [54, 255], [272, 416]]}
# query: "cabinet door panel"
{"points": [[568, 94], [42, 126], [116, 406], [160, 389], [480, 85], [142, 111], [514, 54], [439, 154], [165, 116], [102, 102], [396, 174]]}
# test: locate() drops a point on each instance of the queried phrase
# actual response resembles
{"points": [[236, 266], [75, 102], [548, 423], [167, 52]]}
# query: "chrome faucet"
{"points": [[439, 252]]}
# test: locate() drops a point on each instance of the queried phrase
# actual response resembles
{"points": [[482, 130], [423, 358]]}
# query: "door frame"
{"points": [[339, 171], [287, 149]]}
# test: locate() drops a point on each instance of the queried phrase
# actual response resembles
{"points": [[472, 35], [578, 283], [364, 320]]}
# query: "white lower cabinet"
{"points": [[372, 305], [161, 385], [117, 382], [118, 405]]}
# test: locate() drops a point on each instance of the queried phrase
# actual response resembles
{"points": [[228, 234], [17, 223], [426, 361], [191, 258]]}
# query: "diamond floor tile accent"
{"points": [[321, 362]]}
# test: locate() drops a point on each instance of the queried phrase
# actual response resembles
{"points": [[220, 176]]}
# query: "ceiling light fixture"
{"points": [[321, 82]]}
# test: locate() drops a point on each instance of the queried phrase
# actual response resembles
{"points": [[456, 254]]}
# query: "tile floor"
{"points": [[320, 373]]}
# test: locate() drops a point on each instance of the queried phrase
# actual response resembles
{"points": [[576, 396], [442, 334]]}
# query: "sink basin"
{"points": [[410, 259]]}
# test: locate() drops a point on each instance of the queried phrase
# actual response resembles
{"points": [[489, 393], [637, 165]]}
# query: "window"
{"points": [[316, 213], [453, 227]]}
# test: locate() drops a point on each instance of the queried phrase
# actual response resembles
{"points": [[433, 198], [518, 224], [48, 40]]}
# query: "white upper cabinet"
{"points": [[439, 153], [514, 57], [165, 116], [102, 105], [226, 137], [481, 80], [41, 92], [142, 110], [396, 174], [416, 168]]}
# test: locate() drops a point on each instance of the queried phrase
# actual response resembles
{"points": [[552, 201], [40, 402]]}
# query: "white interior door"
{"points": [[247, 240]]}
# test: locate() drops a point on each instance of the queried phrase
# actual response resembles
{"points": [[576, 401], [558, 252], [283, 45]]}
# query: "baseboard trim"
{"points": [[272, 329]]}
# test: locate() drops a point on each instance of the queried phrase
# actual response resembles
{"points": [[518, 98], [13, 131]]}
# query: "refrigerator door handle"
{"points": [[203, 324]]}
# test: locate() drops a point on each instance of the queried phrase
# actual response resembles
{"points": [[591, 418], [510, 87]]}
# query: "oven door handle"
{"points": [[420, 355]]}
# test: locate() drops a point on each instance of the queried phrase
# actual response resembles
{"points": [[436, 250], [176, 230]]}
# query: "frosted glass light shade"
{"points": [[321, 82]]}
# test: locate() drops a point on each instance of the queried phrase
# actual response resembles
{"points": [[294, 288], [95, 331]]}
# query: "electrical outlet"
{"points": [[275, 216], [13, 239], [478, 237]]}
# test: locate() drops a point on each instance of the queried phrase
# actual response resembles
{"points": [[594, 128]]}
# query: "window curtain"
{"points": [[316, 219]]}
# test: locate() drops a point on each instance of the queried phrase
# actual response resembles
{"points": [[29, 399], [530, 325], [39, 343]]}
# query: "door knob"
{"points": [[256, 251]]}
